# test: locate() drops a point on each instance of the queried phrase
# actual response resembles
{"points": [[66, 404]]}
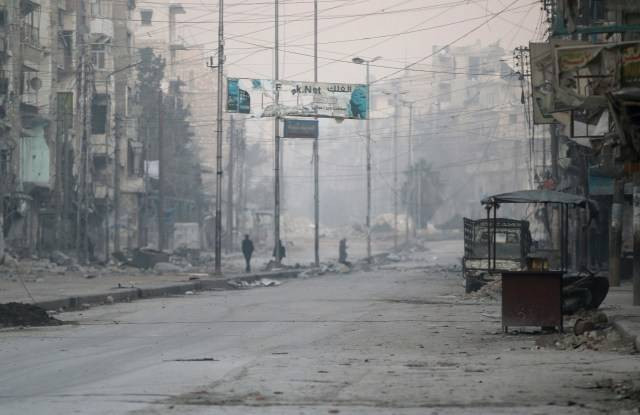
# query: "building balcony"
{"points": [[101, 27]]}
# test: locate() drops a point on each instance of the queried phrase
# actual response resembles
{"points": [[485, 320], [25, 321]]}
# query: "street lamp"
{"points": [[360, 61]]}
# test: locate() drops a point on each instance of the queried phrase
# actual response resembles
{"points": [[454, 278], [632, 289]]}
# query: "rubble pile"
{"points": [[607, 339], [490, 291], [326, 268], [18, 314], [591, 330], [262, 282]]}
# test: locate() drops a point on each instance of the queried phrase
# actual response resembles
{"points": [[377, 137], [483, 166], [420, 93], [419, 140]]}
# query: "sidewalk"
{"points": [[55, 290], [619, 308]]}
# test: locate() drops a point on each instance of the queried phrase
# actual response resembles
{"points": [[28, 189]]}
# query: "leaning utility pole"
{"points": [[276, 138], [316, 149]]}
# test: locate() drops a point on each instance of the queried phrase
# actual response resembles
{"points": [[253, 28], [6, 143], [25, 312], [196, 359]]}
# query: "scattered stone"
{"points": [[582, 326], [9, 261], [60, 259], [75, 268]]}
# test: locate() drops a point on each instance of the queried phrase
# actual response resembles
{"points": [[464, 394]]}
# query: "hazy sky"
{"points": [[401, 31]]}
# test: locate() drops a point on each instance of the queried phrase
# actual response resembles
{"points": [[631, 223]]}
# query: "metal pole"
{"points": [[395, 172], [161, 184], [488, 208], [636, 239], [316, 161], [218, 216], [276, 138], [368, 218], [410, 164], [230, 167], [495, 233], [116, 186], [615, 233]]}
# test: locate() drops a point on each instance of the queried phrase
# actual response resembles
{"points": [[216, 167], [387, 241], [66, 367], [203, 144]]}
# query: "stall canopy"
{"points": [[537, 196]]}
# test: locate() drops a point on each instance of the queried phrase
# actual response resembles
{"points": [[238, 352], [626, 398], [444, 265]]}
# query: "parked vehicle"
{"points": [[512, 247]]}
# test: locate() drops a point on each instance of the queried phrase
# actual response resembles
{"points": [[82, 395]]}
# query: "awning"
{"points": [[537, 196]]}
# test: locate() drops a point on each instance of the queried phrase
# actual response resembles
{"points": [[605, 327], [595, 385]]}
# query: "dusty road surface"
{"points": [[401, 340]]}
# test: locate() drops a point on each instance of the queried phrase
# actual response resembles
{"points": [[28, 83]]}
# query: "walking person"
{"points": [[247, 251]]}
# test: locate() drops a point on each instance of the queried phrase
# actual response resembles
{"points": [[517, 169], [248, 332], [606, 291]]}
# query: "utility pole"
{"points": [[276, 137], [316, 149], [395, 171], [218, 218], [368, 168], [360, 61], [83, 197], [409, 166], [161, 183], [116, 184], [240, 206], [555, 173], [230, 167]]}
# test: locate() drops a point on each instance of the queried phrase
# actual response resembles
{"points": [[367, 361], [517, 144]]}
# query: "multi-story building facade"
{"points": [[473, 104], [61, 96], [584, 81]]}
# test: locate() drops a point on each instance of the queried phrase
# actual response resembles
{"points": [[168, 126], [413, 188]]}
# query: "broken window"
{"points": [[65, 51], [100, 8], [29, 83], [4, 82], [30, 23], [99, 114], [145, 17], [3, 16], [98, 55]]}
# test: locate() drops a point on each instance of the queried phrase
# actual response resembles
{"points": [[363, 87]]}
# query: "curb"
{"points": [[137, 293], [621, 327]]}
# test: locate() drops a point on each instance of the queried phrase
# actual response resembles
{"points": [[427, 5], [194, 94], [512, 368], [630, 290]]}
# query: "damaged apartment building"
{"points": [[585, 87], [72, 166]]}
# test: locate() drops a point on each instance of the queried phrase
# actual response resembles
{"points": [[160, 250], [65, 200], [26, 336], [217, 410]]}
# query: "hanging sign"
{"points": [[300, 128], [298, 99]]}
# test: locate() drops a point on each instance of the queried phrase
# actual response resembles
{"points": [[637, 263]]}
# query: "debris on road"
{"points": [[262, 282], [591, 331], [490, 291], [19, 314]]}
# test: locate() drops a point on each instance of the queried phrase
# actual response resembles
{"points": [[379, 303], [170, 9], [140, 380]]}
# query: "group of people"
{"points": [[248, 248]]}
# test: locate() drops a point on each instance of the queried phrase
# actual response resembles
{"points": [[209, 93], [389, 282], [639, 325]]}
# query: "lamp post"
{"points": [[361, 61]]}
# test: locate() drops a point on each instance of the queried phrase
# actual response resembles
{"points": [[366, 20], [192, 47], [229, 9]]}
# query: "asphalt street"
{"points": [[398, 340]]}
